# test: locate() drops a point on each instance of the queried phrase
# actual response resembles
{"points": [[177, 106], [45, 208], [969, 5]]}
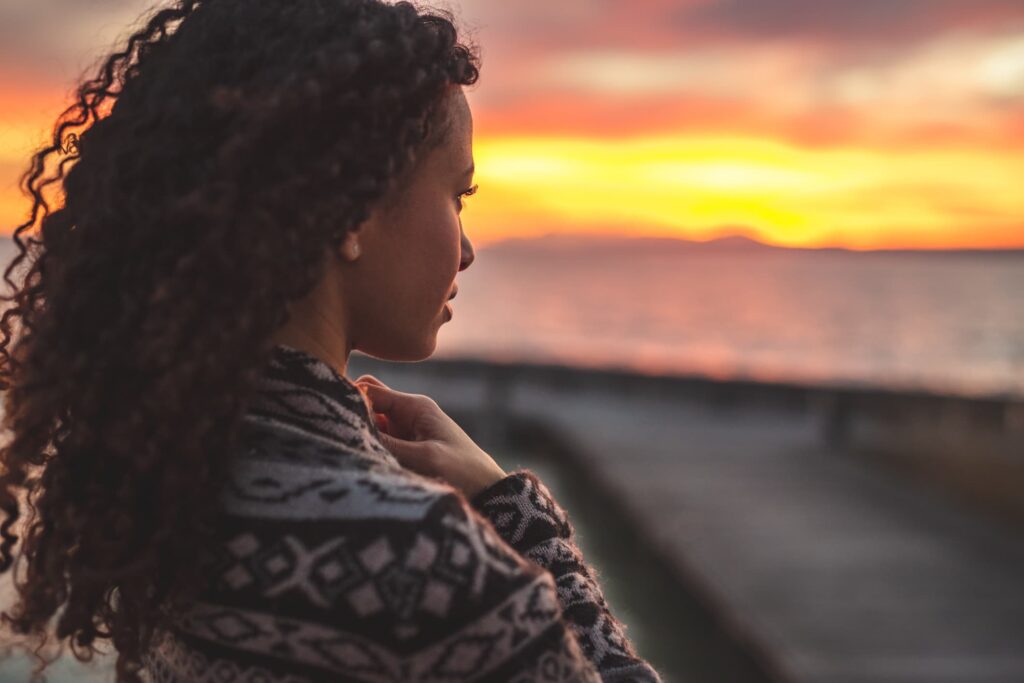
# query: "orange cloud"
{"points": [[593, 115]]}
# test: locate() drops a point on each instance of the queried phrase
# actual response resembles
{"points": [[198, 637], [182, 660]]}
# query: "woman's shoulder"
{"points": [[304, 479]]}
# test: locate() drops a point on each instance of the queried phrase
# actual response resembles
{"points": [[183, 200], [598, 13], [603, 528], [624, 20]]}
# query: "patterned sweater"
{"points": [[338, 564]]}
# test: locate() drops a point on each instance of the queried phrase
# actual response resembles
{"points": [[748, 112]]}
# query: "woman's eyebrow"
{"points": [[469, 171]]}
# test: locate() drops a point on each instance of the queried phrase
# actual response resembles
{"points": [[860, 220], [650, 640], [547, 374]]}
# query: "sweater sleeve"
{"points": [[488, 613], [525, 514]]}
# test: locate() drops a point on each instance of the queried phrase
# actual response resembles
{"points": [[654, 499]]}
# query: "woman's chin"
{"points": [[411, 351]]}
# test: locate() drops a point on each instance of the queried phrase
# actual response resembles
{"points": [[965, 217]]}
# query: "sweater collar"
{"points": [[299, 392]]}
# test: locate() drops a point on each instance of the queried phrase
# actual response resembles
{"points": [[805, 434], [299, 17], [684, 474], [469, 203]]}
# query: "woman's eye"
{"points": [[465, 193]]}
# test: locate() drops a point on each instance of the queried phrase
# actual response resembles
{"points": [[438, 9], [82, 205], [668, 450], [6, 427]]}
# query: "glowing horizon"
{"points": [[700, 187]]}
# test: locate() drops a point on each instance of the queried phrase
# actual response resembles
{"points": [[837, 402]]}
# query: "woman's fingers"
{"points": [[410, 454], [369, 381], [379, 415], [424, 439], [383, 400], [399, 409], [394, 412]]}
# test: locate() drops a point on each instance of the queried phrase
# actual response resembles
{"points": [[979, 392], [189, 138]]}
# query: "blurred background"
{"points": [[748, 295]]}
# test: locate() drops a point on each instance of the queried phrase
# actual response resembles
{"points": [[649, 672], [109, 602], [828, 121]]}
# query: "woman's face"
{"points": [[395, 291]]}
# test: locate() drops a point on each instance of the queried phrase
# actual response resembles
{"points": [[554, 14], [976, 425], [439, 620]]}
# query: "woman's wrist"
{"points": [[489, 478]]}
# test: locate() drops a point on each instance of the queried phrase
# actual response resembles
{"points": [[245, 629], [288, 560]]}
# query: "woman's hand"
{"points": [[424, 439]]}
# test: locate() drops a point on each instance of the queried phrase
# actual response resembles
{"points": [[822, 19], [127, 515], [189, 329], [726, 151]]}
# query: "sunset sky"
{"points": [[867, 124]]}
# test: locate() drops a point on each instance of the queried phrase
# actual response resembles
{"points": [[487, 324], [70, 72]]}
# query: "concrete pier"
{"points": [[778, 506]]}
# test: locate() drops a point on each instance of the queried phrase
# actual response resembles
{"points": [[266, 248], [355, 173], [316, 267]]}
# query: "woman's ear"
{"points": [[353, 244], [350, 249]]}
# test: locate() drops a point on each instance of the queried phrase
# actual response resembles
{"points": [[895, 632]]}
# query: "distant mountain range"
{"points": [[584, 243], [601, 243]]}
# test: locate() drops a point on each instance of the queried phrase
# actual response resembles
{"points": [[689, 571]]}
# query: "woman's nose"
{"points": [[467, 253]]}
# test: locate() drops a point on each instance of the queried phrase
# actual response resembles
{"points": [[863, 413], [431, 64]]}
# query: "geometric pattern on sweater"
{"points": [[268, 439], [526, 515], [175, 660], [489, 640], [335, 563], [443, 598], [258, 487], [405, 586], [523, 511], [298, 392], [392, 565]]}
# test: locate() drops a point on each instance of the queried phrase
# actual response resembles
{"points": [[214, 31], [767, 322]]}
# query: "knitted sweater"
{"points": [[338, 564]]}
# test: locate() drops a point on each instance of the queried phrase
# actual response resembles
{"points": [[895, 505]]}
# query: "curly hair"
{"points": [[228, 144]]}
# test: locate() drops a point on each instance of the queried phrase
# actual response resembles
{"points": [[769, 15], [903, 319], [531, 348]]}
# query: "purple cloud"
{"points": [[876, 21]]}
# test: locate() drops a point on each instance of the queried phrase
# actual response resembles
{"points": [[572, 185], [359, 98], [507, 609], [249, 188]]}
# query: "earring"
{"points": [[355, 249]]}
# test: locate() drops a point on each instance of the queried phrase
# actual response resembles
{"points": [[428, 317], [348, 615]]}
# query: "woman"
{"points": [[277, 184]]}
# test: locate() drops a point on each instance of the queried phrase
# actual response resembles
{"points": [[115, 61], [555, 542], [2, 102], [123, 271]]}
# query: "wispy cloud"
{"points": [[872, 23]]}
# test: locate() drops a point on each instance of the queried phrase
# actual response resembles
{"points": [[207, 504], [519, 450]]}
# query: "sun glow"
{"points": [[699, 187]]}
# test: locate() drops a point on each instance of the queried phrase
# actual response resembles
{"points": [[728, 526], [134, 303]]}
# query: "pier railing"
{"points": [[970, 446]]}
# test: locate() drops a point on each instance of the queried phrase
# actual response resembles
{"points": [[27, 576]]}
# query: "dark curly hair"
{"points": [[243, 138]]}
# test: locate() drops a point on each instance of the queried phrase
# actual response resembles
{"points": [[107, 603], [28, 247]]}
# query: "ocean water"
{"points": [[940, 322]]}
